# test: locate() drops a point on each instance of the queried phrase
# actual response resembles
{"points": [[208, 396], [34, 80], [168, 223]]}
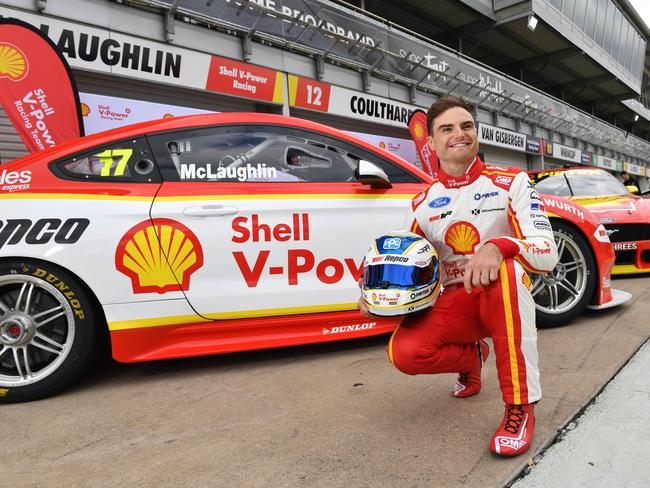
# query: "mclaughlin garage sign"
{"points": [[109, 52]]}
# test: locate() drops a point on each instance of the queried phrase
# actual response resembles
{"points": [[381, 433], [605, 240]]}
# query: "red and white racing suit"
{"points": [[458, 215]]}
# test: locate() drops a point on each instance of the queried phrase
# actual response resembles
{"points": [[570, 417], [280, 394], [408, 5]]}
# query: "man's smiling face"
{"points": [[454, 136]]}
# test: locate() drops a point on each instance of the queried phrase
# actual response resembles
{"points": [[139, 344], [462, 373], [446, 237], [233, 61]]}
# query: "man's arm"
{"points": [[534, 246]]}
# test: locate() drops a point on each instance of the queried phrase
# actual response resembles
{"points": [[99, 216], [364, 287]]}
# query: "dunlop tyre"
{"points": [[67, 320]]}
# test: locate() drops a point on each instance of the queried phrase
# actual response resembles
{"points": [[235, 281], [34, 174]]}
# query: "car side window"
{"points": [[256, 153], [554, 185], [250, 154], [128, 161]]}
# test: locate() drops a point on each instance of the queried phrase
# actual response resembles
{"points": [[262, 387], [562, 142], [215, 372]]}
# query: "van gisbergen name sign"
{"points": [[497, 136]]}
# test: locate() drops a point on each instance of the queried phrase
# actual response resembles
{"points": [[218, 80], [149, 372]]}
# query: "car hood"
{"points": [[623, 209]]}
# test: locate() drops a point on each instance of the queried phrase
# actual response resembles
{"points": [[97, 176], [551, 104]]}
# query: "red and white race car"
{"points": [[215, 233], [625, 216]]}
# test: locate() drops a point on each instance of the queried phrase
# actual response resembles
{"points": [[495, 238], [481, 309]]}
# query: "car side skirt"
{"points": [[191, 338]]}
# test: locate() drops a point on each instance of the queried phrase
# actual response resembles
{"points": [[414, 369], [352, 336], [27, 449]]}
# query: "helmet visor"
{"points": [[388, 275]]}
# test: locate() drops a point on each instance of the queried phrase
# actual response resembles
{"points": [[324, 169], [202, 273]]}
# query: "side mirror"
{"points": [[633, 189], [370, 174]]}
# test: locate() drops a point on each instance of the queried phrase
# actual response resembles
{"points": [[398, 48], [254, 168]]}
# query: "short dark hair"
{"points": [[624, 173], [443, 104]]}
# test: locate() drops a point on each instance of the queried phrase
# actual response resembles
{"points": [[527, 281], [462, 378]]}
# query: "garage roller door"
{"points": [[503, 157], [11, 145]]}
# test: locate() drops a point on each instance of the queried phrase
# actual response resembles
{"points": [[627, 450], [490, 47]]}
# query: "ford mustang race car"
{"points": [[215, 233], [625, 216]]}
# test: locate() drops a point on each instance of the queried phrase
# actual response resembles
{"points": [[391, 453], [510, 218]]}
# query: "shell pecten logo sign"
{"points": [[13, 63], [462, 237], [419, 130], [159, 256]]}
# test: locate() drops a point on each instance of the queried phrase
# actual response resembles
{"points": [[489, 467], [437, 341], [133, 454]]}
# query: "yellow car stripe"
{"points": [[71, 196], [628, 269], [191, 319], [303, 196]]}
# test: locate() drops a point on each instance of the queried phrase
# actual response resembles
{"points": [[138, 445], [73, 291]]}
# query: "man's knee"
{"points": [[408, 357]]}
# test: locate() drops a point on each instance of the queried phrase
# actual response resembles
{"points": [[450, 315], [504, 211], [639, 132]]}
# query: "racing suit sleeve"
{"points": [[533, 245], [410, 222]]}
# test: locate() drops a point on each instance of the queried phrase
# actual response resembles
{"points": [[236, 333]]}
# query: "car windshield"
{"points": [[578, 183]]}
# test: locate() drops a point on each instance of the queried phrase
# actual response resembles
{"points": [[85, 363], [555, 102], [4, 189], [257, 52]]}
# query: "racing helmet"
{"points": [[400, 274]]}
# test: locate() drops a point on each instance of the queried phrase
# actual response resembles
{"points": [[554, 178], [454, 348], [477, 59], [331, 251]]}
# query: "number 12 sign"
{"points": [[308, 93]]}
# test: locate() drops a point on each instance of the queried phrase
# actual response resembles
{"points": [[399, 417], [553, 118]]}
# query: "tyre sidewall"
{"points": [[83, 345], [547, 320]]}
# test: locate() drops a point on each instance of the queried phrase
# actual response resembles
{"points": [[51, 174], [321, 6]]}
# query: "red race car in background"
{"points": [[216, 233], [625, 216]]}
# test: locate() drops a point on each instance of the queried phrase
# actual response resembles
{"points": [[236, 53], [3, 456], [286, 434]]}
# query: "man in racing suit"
{"points": [[489, 228]]}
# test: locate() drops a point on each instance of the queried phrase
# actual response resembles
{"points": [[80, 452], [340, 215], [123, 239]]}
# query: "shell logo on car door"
{"points": [[159, 256]]}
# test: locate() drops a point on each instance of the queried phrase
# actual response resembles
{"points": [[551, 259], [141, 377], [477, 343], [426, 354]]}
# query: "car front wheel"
{"points": [[563, 293], [47, 330]]}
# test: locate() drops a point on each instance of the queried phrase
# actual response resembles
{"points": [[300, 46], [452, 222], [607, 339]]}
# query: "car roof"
{"points": [[568, 168]]}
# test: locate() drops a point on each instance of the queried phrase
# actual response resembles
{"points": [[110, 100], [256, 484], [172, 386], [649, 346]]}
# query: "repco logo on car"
{"points": [[12, 231]]}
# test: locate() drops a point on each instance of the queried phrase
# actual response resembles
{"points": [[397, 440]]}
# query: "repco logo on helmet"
{"points": [[396, 259], [41, 231]]}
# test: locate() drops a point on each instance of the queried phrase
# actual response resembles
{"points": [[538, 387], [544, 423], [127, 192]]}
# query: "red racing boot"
{"points": [[515, 434], [469, 383]]}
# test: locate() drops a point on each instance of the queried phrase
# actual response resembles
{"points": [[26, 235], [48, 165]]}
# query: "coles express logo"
{"points": [[15, 180]]}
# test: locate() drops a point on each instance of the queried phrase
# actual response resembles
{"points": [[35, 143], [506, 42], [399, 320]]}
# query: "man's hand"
{"points": [[483, 267]]}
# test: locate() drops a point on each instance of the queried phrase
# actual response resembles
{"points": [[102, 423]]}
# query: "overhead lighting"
{"points": [[636, 117], [532, 21]]}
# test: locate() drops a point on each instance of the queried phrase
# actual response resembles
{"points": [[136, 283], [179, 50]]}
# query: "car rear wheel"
{"points": [[47, 330], [563, 294]]}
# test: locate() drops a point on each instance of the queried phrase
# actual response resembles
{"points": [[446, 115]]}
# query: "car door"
{"points": [[264, 220]]}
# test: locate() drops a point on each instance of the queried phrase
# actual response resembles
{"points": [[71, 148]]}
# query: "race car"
{"points": [[625, 216], [215, 233]]}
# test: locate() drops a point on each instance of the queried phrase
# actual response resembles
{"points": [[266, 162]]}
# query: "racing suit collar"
{"points": [[473, 172]]}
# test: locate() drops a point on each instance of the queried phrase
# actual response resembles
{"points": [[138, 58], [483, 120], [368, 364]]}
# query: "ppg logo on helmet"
{"points": [[392, 243], [400, 274]]}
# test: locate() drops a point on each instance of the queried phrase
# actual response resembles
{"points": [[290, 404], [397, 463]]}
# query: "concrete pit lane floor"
{"points": [[329, 415], [608, 444]]}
